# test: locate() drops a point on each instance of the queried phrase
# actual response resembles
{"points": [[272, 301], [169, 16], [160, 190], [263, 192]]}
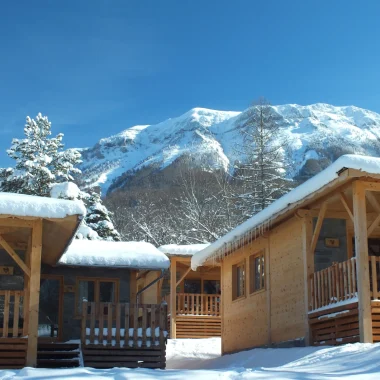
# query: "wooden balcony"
{"points": [[333, 303], [198, 304], [123, 334], [333, 285], [11, 314]]}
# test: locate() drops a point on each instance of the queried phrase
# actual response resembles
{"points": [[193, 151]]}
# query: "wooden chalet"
{"points": [[60, 297], [306, 270], [193, 296]]}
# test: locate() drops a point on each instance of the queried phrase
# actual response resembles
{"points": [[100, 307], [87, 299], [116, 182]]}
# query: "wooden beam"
{"points": [[133, 286], [14, 256], [222, 300], [183, 277], [371, 186], [308, 260], [344, 201], [173, 298], [27, 287], [8, 221], [318, 227], [373, 225], [34, 295], [373, 201], [362, 265]]}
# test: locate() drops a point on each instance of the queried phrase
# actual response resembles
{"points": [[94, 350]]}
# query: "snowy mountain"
{"points": [[317, 134]]}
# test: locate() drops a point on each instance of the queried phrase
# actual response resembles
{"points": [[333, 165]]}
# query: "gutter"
{"points": [[149, 285]]}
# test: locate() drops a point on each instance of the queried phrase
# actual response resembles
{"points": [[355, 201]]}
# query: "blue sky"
{"points": [[97, 67]]}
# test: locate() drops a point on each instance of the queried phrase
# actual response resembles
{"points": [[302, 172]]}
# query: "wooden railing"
{"points": [[124, 324], [198, 304], [11, 313], [374, 276], [333, 284]]}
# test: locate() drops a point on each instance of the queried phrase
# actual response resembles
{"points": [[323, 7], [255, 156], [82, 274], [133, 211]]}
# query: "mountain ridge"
{"points": [[316, 132]]}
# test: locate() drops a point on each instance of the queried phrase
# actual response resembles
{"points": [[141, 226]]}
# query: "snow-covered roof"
{"points": [[182, 250], [366, 164], [117, 254], [39, 207]]}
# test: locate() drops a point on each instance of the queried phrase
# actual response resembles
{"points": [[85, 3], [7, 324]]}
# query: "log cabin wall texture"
{"points": [[273, 315]]}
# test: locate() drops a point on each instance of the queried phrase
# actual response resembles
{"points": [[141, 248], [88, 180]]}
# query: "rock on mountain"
{"points": [[317, 135]]}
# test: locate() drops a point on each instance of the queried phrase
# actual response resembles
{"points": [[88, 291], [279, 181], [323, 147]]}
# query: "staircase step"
{"points": [[57, 346], [60, 363], [57, 354]]}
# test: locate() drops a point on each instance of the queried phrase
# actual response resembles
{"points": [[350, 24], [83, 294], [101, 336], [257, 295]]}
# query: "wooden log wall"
{"points": [[11, 313], [13, 353], [335, 325]]}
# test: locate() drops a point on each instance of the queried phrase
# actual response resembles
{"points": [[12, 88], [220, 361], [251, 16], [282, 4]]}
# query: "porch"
{"points": [[342, 246], [194, 300], [334, 313], [124, 335]]}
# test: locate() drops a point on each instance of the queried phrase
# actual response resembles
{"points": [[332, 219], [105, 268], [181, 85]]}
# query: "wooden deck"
{"points": [[333, 307], [198, 315], [124, 335]]}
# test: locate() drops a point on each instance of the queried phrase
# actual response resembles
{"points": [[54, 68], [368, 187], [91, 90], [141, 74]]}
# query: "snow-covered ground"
{"points": [[201, 360]]}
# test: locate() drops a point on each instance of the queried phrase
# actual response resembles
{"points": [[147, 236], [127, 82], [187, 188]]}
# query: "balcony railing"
{"points": [[333, 284], [11, 313], [124, 324], [198, 304]]}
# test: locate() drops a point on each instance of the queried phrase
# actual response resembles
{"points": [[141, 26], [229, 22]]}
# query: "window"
{"points": [[192, 286], [96, 290], [256, 270], [238, 280], [211, 287]]}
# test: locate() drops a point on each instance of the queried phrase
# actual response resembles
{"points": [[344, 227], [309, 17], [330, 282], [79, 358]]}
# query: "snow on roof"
{"points": [[65, 190], [182, 250], [103, 253], [39, 207], [366, 164]]}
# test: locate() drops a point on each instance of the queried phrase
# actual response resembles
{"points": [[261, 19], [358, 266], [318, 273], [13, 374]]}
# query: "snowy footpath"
{"points": [[201, 360]]}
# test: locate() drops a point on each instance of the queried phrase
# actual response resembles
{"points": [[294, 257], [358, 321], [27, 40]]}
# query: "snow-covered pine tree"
{"points": [[40, 160], [262, 174], [98, 218], [70, 191]]}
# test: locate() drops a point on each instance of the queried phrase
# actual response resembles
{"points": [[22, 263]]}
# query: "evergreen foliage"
{"points": [[40, 160], [262, 174], [98, 218]]}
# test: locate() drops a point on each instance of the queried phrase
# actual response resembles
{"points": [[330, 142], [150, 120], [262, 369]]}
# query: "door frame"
{"points": [[60, 278]]}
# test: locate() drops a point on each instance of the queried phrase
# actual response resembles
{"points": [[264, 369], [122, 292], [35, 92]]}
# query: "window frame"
{"points": [[252, 272], [235, 286], [97, 281]]}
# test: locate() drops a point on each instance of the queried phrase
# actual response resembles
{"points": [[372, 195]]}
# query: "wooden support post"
{"points": [[346, 205], [183, 277], [34, 295], [318, 227], [14, 256], [133, 287], [222, 291], [27, 288], [362, 265], [308, 260], [173, 298]]}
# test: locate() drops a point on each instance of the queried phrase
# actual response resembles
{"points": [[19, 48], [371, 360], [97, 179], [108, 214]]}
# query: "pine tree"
{"points": [[262, 174], [98, 218], [40, 160]]}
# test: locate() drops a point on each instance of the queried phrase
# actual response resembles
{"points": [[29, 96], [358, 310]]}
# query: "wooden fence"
{"points": [[124, 324], [198, 304], [374, 275], [333, 284], [11, 313]]}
